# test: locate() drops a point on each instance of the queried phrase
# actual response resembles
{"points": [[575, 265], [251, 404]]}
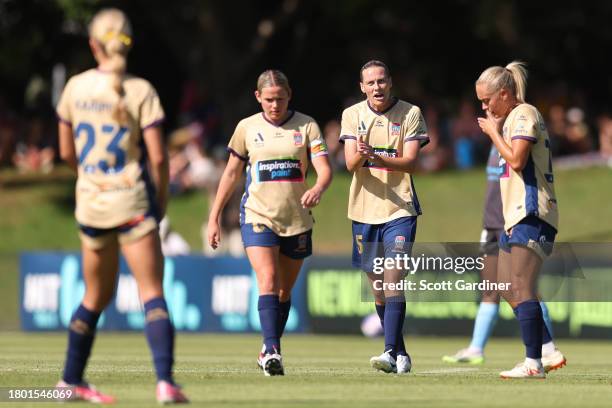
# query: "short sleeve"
{"points": [[63, 110], [151, 111], [415, 127], [348, 127], [525, 125], [237, 144], [316, 143]]}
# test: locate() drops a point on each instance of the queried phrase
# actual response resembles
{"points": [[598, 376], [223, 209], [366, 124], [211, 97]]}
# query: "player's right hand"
{"points": [[214, 234]]}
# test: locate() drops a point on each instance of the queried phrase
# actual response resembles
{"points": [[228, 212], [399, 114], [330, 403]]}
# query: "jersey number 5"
{"points": [[113, 147]]}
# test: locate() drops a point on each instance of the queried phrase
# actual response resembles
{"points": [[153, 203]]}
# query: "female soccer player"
{"points": [[486, 317], [276, 223], [382, 136], [110, 134], [529, 205]]}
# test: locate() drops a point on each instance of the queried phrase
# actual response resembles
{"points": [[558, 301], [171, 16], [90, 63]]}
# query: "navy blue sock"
{"points": [[283, 315], [395, 313], [160, 335], [401, 347], [81, 334], [531, 322], [268, 306]]}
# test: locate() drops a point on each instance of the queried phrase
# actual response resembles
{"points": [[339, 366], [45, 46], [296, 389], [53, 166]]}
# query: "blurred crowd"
{"points": [[28, 143]]}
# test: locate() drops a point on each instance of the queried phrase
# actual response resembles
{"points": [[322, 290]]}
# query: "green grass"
{"points": [[322, 371], [39, 216]]}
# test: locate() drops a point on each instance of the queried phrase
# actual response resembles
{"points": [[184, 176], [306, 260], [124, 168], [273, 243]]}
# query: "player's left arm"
{"points": [[158, 161], [517, 153]]}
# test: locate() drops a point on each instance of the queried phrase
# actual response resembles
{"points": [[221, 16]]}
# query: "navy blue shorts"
{"points": [[296, 246], [531, 232], [382, 240]]}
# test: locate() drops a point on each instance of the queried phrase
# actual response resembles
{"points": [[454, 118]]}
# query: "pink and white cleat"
{"points": [[168, 393], [86, 392]]}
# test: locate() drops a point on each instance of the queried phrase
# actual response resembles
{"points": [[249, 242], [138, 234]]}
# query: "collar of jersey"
{"points": [[395, 100], [291, 113]]}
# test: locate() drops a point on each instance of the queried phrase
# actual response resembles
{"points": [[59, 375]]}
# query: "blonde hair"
{"points": [[273, 77], [111, 29], [512, 77]]}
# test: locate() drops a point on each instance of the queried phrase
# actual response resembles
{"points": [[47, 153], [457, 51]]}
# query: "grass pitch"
{"points": [[322, 371]]}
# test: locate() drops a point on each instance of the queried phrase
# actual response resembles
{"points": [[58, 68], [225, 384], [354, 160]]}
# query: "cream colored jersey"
{"points": [[113, 186], [379, 195], [277, 159], [530, 191]]}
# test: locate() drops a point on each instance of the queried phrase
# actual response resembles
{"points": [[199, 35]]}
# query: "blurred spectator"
{"points": [[8, 133], [434, 156], [196, 109], [331, 134], [556, 130], [605, 136], [189, 167], [577, 132], [34, 152], [466, 136]]}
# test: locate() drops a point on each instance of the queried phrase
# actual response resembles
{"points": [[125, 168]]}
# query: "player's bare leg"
{"points": [[146, 262], [265, 262]]}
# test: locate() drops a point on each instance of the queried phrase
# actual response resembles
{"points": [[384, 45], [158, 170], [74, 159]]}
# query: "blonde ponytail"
{"points": [[112, 30], [519, 76], [512, 77]]}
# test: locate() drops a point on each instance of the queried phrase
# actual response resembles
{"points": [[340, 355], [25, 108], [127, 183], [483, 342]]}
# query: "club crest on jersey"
{"points": [[298, 140], [395, 129], [400, 240]]}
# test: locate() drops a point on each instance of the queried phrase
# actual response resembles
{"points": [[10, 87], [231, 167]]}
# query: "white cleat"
{"points": [[261, 356], [553, 361], [272, 364], [403, 364], [525, 370], [385, 363]]}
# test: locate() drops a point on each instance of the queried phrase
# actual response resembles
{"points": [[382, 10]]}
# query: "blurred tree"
{"points": [[435, 49]]}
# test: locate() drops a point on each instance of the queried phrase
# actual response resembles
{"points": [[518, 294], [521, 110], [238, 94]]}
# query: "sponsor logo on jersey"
{"points": [[382, 151], [298, 140], [395, 129], [283, 169], [362, 130], [378, 123], [259, 140]]}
